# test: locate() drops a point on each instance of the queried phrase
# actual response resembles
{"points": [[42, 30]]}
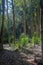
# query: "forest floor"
{"points": [[14, 57]]}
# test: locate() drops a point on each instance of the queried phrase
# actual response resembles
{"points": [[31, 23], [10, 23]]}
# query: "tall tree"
{"points": [[0, 13], [32, 18], [14, 26], [24, 12], [8, 23], [41, 4], [2, 28], [38, 19]]}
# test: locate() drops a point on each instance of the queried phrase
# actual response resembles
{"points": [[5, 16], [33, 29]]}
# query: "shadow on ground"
{"points": [[8, 57]]}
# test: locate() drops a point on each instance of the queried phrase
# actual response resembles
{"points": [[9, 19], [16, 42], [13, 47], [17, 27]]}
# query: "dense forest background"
{"points": [[20, 22], [21, 32]]}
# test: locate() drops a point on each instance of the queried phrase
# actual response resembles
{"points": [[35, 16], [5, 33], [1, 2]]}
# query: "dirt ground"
{"points": [[14, 58], [11, 57]]}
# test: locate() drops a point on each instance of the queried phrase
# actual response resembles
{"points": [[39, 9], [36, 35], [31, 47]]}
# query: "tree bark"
{"points": [[8, 23], [42, 30], [38, 21], [14, 26], [2, 28], [32, 19], [24, 12], [41, 4]]}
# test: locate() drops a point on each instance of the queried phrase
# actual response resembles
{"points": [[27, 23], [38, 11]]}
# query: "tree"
{"points": [[38, 19], [14, 26], [0, 13], [2, 28], [41, 4], [22, 5], [32, 18], [37, 22], [24, 12], [8, 23]]}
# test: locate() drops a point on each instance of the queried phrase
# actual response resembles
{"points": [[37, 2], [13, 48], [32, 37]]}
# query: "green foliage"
{"points": [[35, 14], [20, 2], [0, 1], [23, 40], [36, 39]]}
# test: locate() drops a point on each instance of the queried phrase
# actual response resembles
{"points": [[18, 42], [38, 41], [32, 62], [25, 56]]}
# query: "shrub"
{"points": [[36, 39], [23, 40]]}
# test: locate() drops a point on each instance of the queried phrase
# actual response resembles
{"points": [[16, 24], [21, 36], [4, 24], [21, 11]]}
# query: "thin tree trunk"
{"points": [[41, 4], [32, 25], [24, 12], [2, 28], [42, 30], [32, 20], [38, 22], [8, 23], [14, 26]]}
